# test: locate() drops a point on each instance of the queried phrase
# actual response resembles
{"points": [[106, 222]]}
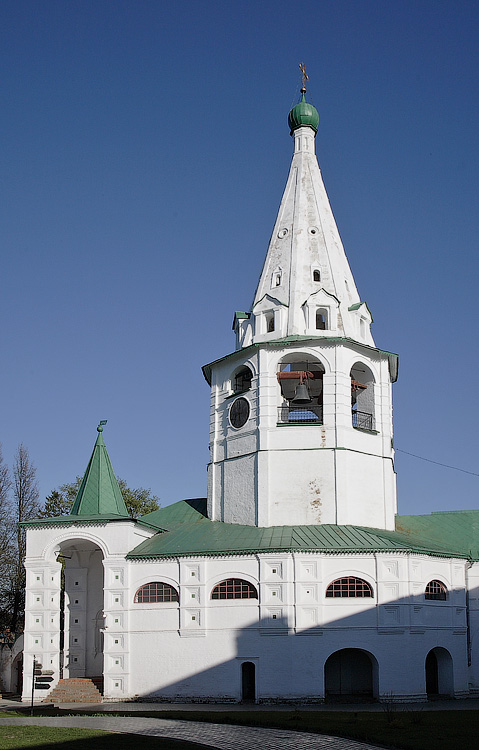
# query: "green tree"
{"points": [[7, 549], [23, 506], [138, 501], [56, 504]]}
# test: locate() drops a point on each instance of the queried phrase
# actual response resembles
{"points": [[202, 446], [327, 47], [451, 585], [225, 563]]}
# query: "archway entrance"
{"points": [[82, 620], [248, 681], [350, 675], [17, 675], [439, 673]]}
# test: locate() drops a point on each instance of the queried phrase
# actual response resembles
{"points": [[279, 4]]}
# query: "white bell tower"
{"points": [[301, 412]]}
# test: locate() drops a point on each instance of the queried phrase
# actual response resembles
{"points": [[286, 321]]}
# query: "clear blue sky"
{"points": [[145, 149]]}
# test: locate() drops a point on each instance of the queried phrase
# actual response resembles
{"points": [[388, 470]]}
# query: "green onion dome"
{"points": [[303, 114]]}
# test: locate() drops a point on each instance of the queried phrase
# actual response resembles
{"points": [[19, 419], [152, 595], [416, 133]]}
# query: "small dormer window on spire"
{"points": [[269, 319], [321, 320], [316, 274], [276, 277]]}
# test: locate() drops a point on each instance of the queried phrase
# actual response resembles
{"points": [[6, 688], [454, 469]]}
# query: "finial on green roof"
{"points": [[302, 68], [303, 114], [100, 426]]}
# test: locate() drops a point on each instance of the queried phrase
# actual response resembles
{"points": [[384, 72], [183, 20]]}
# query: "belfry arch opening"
{"points": [[241, 379], [81, 616], [300, 379], [351, 674], [362, 397]]}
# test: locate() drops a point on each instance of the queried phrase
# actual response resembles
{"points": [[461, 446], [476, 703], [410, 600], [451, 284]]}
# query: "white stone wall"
{"points": [[290, 631], [194, 650]]}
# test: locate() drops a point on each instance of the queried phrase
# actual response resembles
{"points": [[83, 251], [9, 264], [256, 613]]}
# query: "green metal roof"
{"points": [[196, 535], [99, 493], [458, 530], [169, 518]]}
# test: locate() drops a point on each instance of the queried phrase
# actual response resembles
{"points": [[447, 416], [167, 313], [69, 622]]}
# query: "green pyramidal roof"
{"points": [[99, 493]]}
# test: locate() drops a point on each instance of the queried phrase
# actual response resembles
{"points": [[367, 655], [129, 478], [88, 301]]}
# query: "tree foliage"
{"points": [[138, 501], [18, 502], [7, 551]]}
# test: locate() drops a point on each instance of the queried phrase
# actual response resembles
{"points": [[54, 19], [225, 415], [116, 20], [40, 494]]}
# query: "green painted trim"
{"points": [[368, 432], [306, 551], [300, 424], [76, 520]]}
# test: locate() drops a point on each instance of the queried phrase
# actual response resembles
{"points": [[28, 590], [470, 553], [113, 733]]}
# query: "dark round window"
{"points": [[239, 412]]}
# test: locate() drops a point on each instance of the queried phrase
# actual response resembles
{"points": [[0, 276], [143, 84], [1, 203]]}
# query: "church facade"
{"points": [[295, 579]]}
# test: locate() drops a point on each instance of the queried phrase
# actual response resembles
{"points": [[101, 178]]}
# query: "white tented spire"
{"points": [[306, 286], [305, 360]]}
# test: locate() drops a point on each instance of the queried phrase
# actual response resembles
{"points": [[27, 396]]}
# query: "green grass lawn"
{"points": [[12, 738]]}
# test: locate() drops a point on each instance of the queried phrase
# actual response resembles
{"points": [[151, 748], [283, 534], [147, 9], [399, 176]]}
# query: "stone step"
{"points": [[74, 690]]}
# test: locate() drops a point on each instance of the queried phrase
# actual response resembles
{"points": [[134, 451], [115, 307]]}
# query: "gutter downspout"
{"points": [[469, 565]]}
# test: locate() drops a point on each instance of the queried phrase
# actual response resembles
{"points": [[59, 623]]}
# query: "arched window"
{"points": [[436, 591], [362, 397], [242, 380], [276, 277], [349, 587], [234, 588], [156, 592], [316, 275]]}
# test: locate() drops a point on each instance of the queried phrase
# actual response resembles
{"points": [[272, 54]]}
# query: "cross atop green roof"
{"points": [[99, 493]]}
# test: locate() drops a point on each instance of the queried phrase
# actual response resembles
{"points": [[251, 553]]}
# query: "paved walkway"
{"points": [[222, 736], [463, 704]]}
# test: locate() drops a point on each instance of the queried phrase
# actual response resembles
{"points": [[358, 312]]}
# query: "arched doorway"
{"points": [[82, 609], [350, 674], [17, 675], [248, 681], [439, 673]]}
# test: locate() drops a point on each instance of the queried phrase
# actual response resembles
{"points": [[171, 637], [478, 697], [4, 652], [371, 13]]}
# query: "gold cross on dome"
{"points": [[302, 68]]}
